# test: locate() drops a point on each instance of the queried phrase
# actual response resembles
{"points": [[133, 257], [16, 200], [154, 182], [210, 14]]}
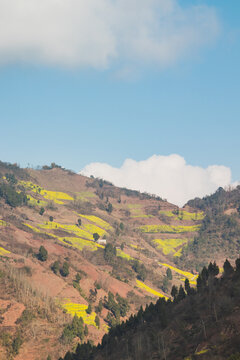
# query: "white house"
{"points": [[102, 241]]}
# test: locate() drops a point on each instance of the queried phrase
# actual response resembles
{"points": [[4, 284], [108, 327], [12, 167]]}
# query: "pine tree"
{"points": [[187, 286], [174, 292], [181, 294], [228, 269]]}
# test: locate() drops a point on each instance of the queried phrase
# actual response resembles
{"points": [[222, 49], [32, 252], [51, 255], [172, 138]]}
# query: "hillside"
{"points": [[200, 323], [71, 244], [219, 235]]}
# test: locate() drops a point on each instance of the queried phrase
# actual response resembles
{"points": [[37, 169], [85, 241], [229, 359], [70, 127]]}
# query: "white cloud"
{"points": [[96, 32], [167, 176]]}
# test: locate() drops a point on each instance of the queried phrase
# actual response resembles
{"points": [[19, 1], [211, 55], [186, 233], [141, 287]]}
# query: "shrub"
{"points": [[41, 211], [97, 321], [11, 196], [43, 254], [140, 270], [109, 208], [96, 236], [78, 277], [97, 285], [169, 274], [110, 252], [16, 344], [75, 329], [55, 267], [65, 269]]}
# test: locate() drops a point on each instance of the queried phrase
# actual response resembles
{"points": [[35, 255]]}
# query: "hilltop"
{"points": [[71, 244]]}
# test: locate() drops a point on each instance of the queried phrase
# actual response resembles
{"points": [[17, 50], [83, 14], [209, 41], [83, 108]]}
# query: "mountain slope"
{"points": [[198, 324], [89, 248], [219, 235], [61, 211]]}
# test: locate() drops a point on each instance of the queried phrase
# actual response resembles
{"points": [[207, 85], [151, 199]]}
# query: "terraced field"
{"points": [[183, 215], [79, 243], [84, 231], [191, 277], [169, 246], [76, 242], [4, 252], [137, 211], [56, 196], [124, 255], [136, 247], [174, 229], [100, 222], [142, 286], [91, 228], [80, 311]]}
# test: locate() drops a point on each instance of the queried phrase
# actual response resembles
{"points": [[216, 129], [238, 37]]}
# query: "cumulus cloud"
{"points": [[96, 32], [167, 176]]}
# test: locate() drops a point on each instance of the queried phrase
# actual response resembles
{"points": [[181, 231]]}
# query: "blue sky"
{"points": [[75, 115]]}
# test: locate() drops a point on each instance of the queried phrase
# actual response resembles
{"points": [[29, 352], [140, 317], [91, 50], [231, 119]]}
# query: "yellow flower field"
{"points": [[85, 231], [55, 196], [80, 311], [76, 242], [35, 202], [204, 351], [178, 253], [184, 215], [168, 246], [4, 252], [168, 228], [167, 213], [136, 247], [122, 254], [67, 227], [3, 223], [91, 228], [105, 225], [33, 228], [137, 211], [141, 285], [79, 243], [191, 277]]}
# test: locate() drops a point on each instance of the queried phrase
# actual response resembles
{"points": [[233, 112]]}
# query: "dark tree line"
{"points": [[143, 334]]}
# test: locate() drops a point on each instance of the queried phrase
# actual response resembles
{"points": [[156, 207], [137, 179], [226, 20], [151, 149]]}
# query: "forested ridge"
{"points": [[219, 234], [200, 323]]}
